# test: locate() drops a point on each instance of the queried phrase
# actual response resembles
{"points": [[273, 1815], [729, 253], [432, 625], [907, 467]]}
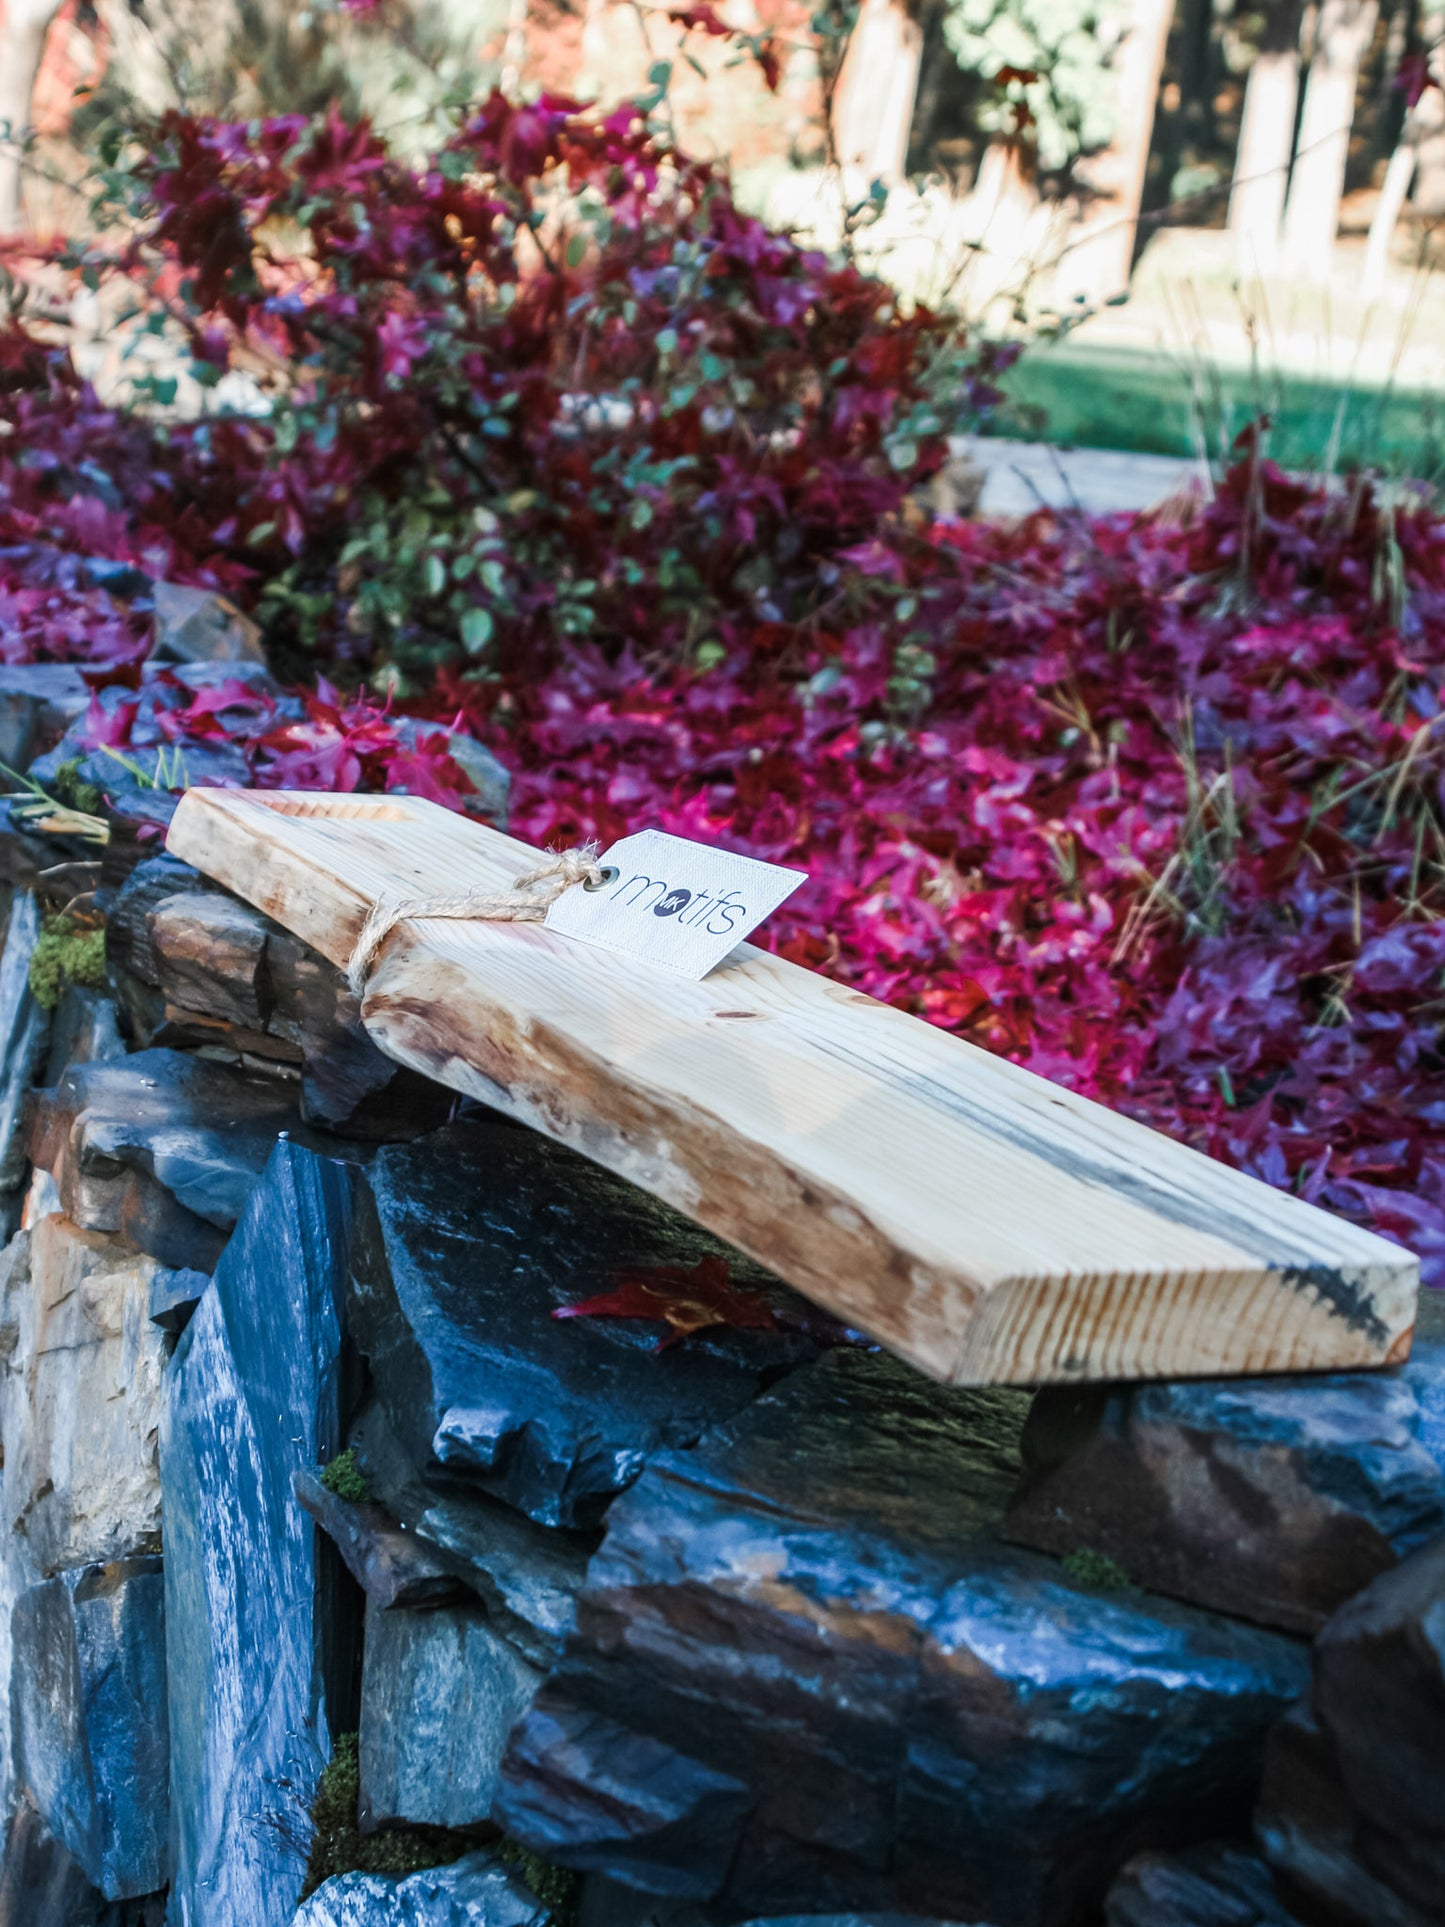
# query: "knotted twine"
{"points": [[528, 901]]}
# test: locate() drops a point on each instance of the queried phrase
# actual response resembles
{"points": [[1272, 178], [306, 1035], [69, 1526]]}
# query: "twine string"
{"points": [[528, 901]]}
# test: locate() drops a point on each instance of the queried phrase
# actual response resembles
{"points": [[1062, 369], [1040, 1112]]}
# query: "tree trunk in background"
{"points": [[23, 27], [935, 63], [1266, 143], [1004, 196], [514, 50], [1097, 263], [873, 106], [1312, 213], [1398, 176], [1424, 122]]}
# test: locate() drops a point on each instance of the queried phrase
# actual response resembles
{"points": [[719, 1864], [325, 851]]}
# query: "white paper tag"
{"points": [[672, 902]]}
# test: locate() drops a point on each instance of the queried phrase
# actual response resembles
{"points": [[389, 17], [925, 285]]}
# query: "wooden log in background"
{"points": [[981, 1222]]}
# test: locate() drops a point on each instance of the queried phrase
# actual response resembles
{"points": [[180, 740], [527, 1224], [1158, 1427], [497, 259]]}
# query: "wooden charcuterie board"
{"points": [[981, 1222]]}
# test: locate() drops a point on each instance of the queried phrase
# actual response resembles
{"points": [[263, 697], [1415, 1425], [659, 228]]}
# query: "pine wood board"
{"points": [[984, 1224]]}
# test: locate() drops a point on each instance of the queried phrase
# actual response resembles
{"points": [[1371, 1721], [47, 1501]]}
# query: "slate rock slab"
{"points": [[489, 777], [82, 1398], [605, 1903], [194, 966], [478, 1891], [469, 1241], [440, 1693], [1379, 1697], [210, 954], [129, 948], [162, 1147], [24, 1027], [1307, 1831], [174, 1296], [528, 1576], [257, 1656], [806, 1677], [393, 1567], [136, 775], [38, 702], [88, 1710], [41, 1885], [83, 1030], [348, 1085], [196, 625], [1275, 1498], [870, 1919], [1207, 1886]]}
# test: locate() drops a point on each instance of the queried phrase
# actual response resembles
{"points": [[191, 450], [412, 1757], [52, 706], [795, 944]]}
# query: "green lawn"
{"points": [[1155, 403]]}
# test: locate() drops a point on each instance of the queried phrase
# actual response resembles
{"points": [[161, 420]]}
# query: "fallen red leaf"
{"points": [[687, 1298]]}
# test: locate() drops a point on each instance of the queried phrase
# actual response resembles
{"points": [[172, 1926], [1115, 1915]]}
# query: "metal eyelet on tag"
{"points": [[668, 901]]}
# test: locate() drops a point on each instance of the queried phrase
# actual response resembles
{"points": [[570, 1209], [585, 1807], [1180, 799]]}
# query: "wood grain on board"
{"points": [[974, 1218]]}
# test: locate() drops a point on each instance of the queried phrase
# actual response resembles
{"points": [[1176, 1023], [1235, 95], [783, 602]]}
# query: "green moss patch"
{"points": [[556, 1887], [1097, 1570], [66, 952], [345, 1478], [339, 1846], [75, 793]]}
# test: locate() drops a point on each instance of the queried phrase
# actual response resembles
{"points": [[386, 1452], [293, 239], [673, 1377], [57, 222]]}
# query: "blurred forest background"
{"points": [[1193, 211]]}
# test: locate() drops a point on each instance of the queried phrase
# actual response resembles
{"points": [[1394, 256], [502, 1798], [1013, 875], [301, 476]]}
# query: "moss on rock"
{"points": [[66, 952], [73, 791], [345, 1478], [1097, 1571], [339, 1846], [555, 1887]]}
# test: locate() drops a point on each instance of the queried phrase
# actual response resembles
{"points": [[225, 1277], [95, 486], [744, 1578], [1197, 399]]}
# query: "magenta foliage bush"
{"points": [[1172, 844], [551, 385], [1151, 805]]}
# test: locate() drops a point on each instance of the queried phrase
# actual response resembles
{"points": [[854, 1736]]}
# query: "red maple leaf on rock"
{"points": [[688, 1298]]}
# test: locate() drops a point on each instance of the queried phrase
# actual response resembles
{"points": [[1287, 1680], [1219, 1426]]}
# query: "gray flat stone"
{"points": [[488, 775], [195, 967], [257, 1654], [807, 1676], [197, 625], [210, 952], [1306, 1830], [174, 1296], [41, 1885], [393, 1567], [347, 1084], [84, 1029], [82, 1400], [1020, 477], [24, 1027], [625, 1803], [1379, 1697], [440, 1694], [88, 1708], [527, 1575], [476, 1892], [38, 703], [856, 1920], [129, 949], [1208, 1886], [471, 1239], [162, 1147], [1275, 1499]]}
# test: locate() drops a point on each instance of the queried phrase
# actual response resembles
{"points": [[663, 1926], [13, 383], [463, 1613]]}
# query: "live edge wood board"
{"points": [[977, 1220]]}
